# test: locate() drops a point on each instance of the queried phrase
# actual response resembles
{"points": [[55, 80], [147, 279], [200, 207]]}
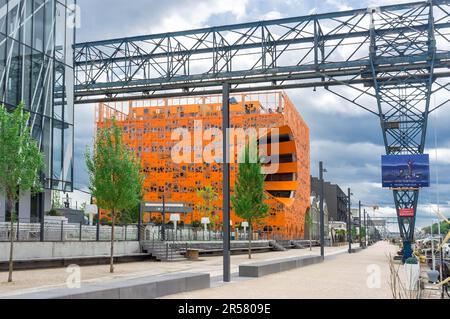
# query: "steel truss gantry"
{"points": [[399, 55]]}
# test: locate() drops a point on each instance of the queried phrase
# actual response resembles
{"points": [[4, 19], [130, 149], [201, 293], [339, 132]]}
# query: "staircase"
{"points": [[276, 246], [164, 251], [298, 245]]}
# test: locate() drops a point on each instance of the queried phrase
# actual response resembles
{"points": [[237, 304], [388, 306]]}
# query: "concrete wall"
{"points": [[46, 250]]}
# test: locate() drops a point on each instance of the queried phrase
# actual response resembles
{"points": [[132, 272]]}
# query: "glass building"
{"points": [[36, 67]]}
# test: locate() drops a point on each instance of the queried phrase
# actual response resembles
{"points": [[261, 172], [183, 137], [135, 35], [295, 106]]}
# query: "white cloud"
{"points": [[196, 14], [341, 5], [272, 15]]}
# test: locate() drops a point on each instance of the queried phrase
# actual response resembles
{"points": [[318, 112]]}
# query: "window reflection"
{"points": [[36, 67]]}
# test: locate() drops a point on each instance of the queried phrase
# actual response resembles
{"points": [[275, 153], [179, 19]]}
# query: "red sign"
{"points": [[406, 212]]}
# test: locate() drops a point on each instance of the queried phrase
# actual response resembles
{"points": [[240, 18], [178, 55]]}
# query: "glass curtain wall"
{"points": [[36, 67]]}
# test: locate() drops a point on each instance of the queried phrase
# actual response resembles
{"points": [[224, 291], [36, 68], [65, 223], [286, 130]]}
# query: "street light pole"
{"points": [[163, 226], [226, 182], [365, 229], [359, 219], [349, 235], [322, 214]]}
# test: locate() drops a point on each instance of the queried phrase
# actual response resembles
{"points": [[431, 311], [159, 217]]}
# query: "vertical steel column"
{"points": [[322, 217], [359, 220], [365, 230], [349, 220], [41, 216], [97, 235], [226, 182], [163, 226]]}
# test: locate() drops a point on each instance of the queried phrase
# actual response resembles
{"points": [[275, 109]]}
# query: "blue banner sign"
{"points": [[406, 171]]}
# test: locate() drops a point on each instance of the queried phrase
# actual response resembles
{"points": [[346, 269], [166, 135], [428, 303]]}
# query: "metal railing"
{"points": [[63, 231], [188, 233]]}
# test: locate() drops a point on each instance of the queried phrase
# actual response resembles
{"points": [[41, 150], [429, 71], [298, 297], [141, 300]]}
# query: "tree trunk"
{"points": [[111, 263], [11, 249], [250, 240]]}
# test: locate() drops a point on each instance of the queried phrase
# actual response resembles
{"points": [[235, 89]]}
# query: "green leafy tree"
{"points": [[363, 233], [445, 228], [21, 162], [130, 216], [248, 199], [354, 232], [309, 223], [56, 200], [206, 207], [114, 174]]}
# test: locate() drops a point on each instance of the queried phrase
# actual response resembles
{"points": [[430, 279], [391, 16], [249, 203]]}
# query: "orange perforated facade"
{"points": [[149, 126]]}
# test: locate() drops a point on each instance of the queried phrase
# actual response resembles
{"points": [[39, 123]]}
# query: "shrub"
{"points": [[411, 261], [55, 213]]}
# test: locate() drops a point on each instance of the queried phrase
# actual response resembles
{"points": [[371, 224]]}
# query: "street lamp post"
{"points": [[349, 235], [322, 214], [163, 226], [226, 182], [365, 229], [359, 220]]}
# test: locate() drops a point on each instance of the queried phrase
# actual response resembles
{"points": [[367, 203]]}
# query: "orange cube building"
{"points": [[150, 129]]}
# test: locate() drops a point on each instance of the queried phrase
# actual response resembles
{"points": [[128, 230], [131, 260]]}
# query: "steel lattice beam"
{"points": [[397, 54], [322, 50]]}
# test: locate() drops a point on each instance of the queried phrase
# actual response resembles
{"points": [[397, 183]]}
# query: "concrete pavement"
{"points": [[363, 275], [29, 281]]}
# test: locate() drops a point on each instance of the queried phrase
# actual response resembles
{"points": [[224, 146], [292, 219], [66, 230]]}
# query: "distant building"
{"points": [[334, 196], [313, 230]]}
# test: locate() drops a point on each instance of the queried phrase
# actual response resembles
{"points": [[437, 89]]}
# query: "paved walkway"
{"points": [[342, 276], [44, 279]]}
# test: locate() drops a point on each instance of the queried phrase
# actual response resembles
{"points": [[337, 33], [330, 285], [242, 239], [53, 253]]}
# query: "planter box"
{"points": [[56, 219]]}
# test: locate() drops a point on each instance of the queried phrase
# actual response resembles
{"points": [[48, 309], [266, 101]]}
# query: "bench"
{"points": [[138, 288], [264, 268]]}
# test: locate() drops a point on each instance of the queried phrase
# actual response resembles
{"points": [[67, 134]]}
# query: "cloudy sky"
{"points": [[348, 140]]}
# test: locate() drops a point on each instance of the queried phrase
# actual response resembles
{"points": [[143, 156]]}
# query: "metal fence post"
{"points": [[62, 230], [167, 250], [125, 232], [139, 223], [18, 224], [97, 233], [81, 231]]}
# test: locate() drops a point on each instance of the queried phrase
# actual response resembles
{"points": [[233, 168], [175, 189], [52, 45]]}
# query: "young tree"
{"points": [[248, 199], [21, 162], [309, 223], [56, 200], [114, 174], [206, 208]]}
